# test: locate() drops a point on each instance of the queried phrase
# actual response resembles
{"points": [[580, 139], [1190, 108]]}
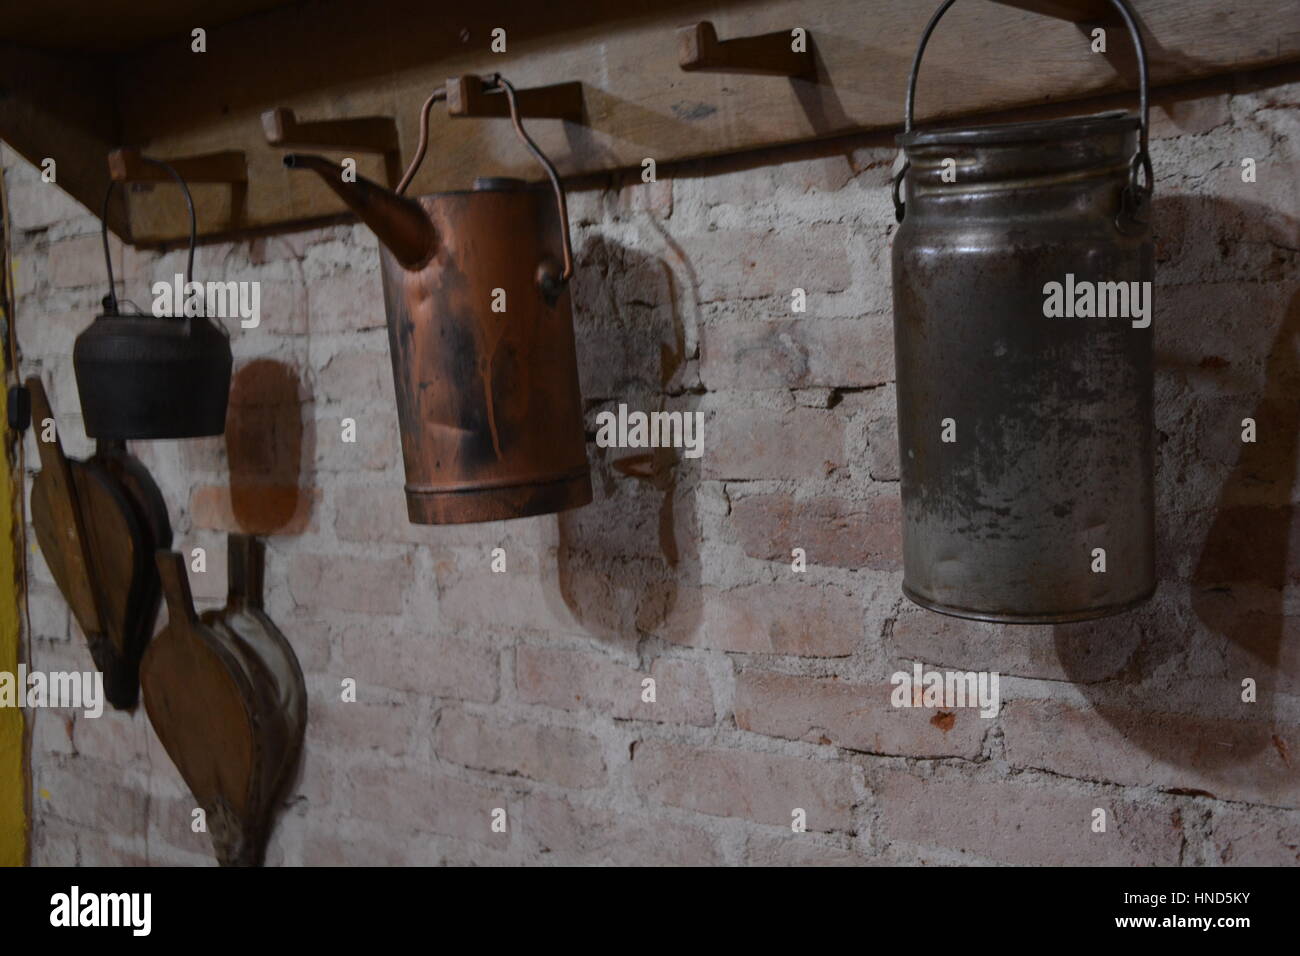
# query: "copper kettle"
{"points": [[145, 377], [481, 338]]}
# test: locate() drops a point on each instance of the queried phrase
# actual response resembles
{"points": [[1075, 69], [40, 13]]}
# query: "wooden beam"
{"points": [[1072, 11], [340, 59], [130, 166]]}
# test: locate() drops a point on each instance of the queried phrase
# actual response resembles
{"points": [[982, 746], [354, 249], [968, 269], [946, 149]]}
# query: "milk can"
{"points": [[1022, 274]]}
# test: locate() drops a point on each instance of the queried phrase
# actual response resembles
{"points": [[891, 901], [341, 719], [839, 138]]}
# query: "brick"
{"points": [[854, 716], [558, 755], [52, 335], [1247, 535], [1189, 117], [882, 448], [580, 836], [351, 844], [52, 730], [795, 618], [751, 264], [284, 509], [575, 680], [91, 794], [49, 612], [115, 737], [440, 664], [1249, 761], [1084, 653], [283, 306], [418, 800], [796, 175], [35, 204], [347, 301], [622, 361], [832, 531], [614, 280], [171, 822], [798, 849], [762, 787], [1254, 637], [314, 781], [377, 446], [639, 522], [758, 443], [69, 655], [79, 262], [360, 725], [1219, 307], [348, 583], [357, 378], [520, 598], [54, 843], [377, 513], [1253, 837], [99, 849], [211, 584], [1022, 822], [655, 197], [803, 352]]}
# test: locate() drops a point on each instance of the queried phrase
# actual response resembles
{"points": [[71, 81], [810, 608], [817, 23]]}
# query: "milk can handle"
{"points": [[110, 300], [1136, 193], [497, 81]]}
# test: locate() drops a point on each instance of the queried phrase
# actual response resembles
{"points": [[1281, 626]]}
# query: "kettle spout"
{"points": [[401, 224]]}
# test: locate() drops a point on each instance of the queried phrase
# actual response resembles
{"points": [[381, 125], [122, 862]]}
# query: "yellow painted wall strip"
{"points": [[13, 748]]}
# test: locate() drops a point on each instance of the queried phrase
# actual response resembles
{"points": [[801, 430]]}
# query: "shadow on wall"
{"points": [[627, 560], [1227, 529], [268, 436]]}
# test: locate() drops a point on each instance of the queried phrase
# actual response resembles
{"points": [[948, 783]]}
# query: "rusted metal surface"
{"points": [[1053, 450], [481, 337]]}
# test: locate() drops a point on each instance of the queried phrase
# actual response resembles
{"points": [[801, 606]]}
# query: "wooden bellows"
{"points": [[226, 697], [225, 694], [98, 523]]}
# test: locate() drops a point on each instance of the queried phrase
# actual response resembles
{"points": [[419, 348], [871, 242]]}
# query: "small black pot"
{"points": [[142, 377], [148, 377]]}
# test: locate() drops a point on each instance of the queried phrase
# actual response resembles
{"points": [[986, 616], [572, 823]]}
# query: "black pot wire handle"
{"points": [[110, 301]]}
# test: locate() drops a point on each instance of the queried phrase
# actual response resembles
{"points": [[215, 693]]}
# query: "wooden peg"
{"points": [[128, 166], [1075, 11], [700, 51], [466, 97], [362, 134]]}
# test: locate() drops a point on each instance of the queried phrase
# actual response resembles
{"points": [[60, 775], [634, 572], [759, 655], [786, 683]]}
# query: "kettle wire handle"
{"points": [[552, 285], [1136, 194], [110, 300]]}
